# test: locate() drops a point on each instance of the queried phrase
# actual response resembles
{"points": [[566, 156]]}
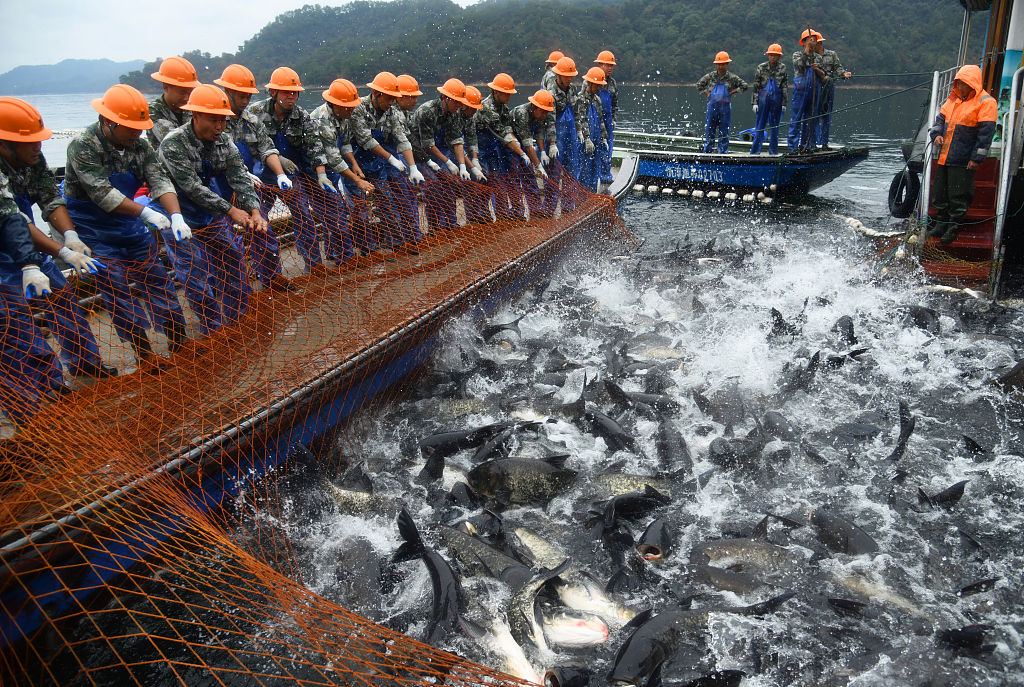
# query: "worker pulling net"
{"points": [[126, 558]]}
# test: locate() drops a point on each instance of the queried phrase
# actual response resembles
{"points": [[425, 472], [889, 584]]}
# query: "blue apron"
{"points": [[769, 111], [718, 119], [609, 124], [799, 124], [590, 165], [396, 207], [568, 141]]}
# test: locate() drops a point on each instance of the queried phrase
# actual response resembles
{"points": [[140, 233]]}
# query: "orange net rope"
{"points": [[126, 556]]}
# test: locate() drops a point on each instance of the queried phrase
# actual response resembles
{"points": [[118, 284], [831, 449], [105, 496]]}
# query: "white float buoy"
{"points": [[773, 188], [766, 201], [683, 192], [697, 194], [652, 189], [730, 196], [748, 197], [639, 188], [667, 191], [761, 195], [714, 194]]}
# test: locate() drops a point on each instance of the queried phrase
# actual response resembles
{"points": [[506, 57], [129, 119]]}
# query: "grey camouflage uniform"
{"points": [[471, 142], [764, 73], [586, 98], [164, 119], [330, 130], [298, 128], [571, 98], [494, 117], [529, 130], [247, 129], [829, 63], [92, 159], [802, 61], [612, 88], [549, 81], [428, 119], [365, 118], [37, 182], [183, 155], [712, 79]]}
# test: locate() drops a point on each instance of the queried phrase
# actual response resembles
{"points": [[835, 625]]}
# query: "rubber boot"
{"points": [[938, 229], [149, 362], [951, 233]]}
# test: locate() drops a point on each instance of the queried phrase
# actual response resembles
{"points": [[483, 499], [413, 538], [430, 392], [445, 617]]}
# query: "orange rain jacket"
{"points": [[967, 125]]}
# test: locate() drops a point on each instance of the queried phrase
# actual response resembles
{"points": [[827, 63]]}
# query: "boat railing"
{"points": [[1009, 162], [942, 82]]}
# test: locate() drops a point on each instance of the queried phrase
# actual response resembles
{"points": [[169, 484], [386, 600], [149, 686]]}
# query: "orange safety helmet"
{"points": [[124, 105], [284, 79], [20, 122], [605, 57], [555, 56], [818, 35], [595, 75], [543, 99], [454, 89], [474, 98], [565, 67], [342, 92], [503, 83], [722, 57], [177, 71], [407, 86], [209, 99], [773, 49], [237, 78], [386, 83], [807, 34]]}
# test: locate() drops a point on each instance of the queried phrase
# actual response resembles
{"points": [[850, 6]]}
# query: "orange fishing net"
{"points": [[124, 556]]}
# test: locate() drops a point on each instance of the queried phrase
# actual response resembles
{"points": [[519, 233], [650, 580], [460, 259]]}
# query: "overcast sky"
{"points": [[48, 31]]}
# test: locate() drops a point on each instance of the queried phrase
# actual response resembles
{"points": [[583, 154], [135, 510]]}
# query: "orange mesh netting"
{"points": [[125, 559]]}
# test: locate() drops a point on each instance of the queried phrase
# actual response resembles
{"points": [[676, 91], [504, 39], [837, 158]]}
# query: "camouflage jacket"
{"points": [[430, 118], [366, 118], [712, 79], [586, 99], [16, 239], [297, 127], [549, 81], [92, 159], [529, 130], [247, 129], [469, 134], [829, 63], [164, 119], [571, 98], [335, 135], [764, 72], [802, 61], [612, 88], [184, 156], [37, 182], [494, 117]]}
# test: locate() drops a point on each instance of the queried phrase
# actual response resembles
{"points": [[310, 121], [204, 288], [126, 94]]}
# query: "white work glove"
{"points": [[325, 183], [33, 282], [783, 109], [526, 160], [542, 172], [588, 147], [82, 263], [755, 108], [151, 216], [553, 151], [289, 166], [256, 181], [415, 175], [579, 135], [433, 165], [452, 167], [396, 163], [72, 241], [179, 227], [283, 182], [544, 159], [477, 173], [463, 172]]}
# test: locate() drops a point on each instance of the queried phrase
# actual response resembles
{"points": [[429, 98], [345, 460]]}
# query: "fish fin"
{"points": [[655, 679], [973, 446], [846, 605], [769, 606], [557, 461], [433, 469], [406, 552], [923, 498], [608, 517], [408, 531], [788, 522], [639, 619], [760, 530], [503, 497], [614, 469]]}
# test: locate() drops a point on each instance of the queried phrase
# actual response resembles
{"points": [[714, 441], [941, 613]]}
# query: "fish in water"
{"points": [[844, 328], [573, 629], [947, 498], [776, 425], [673, 452], [922, 318], [581, 591], [800, 378], [634, 398], [656, 542], [748, 553], [601, 425], [444, 444], [780, 327], [840, 534], [492, 330], [522, 614], [496, 637], [907, 423], [522, 481]]}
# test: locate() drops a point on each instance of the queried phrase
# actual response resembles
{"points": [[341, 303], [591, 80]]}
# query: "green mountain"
{"points": [[658, 41], [67, 76]]}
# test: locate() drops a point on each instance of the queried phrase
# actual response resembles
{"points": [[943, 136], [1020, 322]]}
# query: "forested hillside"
{"points": [[665, 41]]}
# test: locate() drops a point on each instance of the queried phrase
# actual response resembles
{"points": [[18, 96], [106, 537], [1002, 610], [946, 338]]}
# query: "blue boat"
{"points": [[678, 161]]}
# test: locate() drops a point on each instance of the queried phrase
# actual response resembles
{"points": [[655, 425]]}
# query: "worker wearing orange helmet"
{"points": [[533, 122], [597, 141], [258, 153], [410, 92], [333, 120], [499, 151], [571, 131], [301, 152], [803, 110], [719, 86], [178, 77], [547, 80], [609, 95], [106, 165], [216, 193], [830, 70], [475, 196], [770, 89], [26, 179]]}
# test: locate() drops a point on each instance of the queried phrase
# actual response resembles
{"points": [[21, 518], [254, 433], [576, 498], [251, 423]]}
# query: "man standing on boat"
{"points": [[533, 122], [106, 165], [547, 80], [498, 148], [719, 86], [963, 132], [571, 133], [831, 70], [475, 196], [256, 148], [179, 78], [770, 87], [609, 95], [803, 113], [597, 134]]}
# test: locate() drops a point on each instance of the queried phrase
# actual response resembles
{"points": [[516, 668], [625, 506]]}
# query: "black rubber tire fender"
{"points": [[903, 192]]}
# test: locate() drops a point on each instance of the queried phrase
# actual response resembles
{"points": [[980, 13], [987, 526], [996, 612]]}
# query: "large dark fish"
{"points": [[750, 553], [801, 378], [841, 535], [633, 398], [776, 425], [947, 498], [673, 453], [448, 598], [907, 423], [524, 618], [492, 330], [844, 328], [445, 444], [477, 554], [600, 425], [656, 541], [523, 481], [640, 658]]}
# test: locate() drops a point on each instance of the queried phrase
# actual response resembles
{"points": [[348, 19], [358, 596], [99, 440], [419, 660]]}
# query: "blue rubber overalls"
{"points": [[128, 249], [568, 157], [264, 249], [609, 125], [590, 165], [500, 165], [440, 195], [397, 210], [718, 119], [338, 242], [65, 318], [209, 265], [802, 119], [769, 111], [28, 367]]}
